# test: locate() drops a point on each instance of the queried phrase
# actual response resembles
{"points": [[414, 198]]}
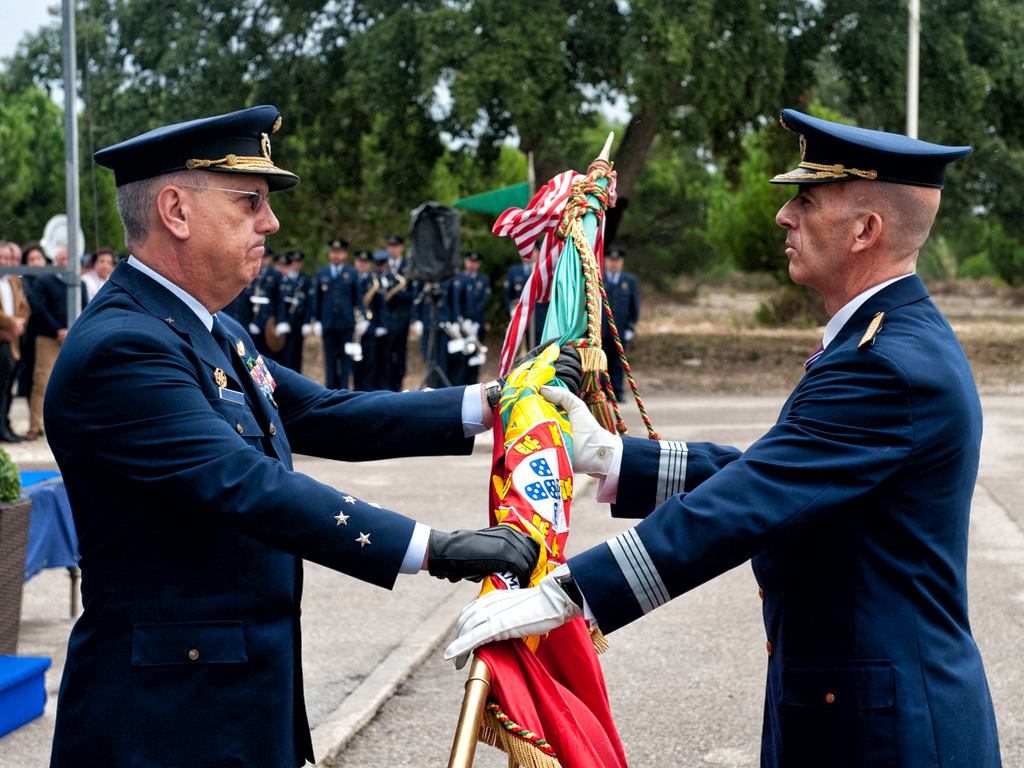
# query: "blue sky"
{"points": [[21, 17]]}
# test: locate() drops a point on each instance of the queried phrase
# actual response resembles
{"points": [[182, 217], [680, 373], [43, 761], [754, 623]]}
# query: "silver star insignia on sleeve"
{"points": [[364, 539], [342, 518], [349, 499]]}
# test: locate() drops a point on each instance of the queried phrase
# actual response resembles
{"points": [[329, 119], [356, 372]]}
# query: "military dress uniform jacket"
{"points": [[336, 298], [854, 508], [192, 528], [624, 300], [470, 296]]}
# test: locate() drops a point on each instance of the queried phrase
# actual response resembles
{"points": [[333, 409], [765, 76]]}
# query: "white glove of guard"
{"points": [[361, 327], [416, 329], [507, 613], [593, 446], [253, 329], [283, 329], [306, 329], [318, 329], [379, 331], [627, 335]]}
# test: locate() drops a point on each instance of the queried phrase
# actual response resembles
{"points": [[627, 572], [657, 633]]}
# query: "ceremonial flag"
{"points": [[548, 705]]}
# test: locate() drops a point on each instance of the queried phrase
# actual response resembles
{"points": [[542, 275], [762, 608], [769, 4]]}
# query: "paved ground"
{"points": [[685, 682]]}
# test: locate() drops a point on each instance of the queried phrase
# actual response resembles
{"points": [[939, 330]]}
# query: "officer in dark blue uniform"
{"points": [[387, 285], [334, 318], [400, 312], [471, 294], [854, 507], [624, 301], [293, 310], [174, 437], [369, 317]]}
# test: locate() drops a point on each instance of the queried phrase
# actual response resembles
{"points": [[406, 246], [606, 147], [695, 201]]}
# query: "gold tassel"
{"points": [[519, 752]]}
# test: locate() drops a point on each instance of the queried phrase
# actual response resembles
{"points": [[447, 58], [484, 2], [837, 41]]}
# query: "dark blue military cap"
{"points": [[832, 152], [238, 142], [338, 244], [395, 240]]}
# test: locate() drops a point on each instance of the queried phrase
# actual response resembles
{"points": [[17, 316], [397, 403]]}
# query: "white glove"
{"points": [[361, 327], [627, 335], [507, 613], [318, 329], [283, 329], [593, 446], [416, 329], [306, 329], [253, 329], [379, 331]]}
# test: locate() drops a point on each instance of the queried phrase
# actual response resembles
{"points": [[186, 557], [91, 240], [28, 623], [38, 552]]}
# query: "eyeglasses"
{"points": [[256, 199]]}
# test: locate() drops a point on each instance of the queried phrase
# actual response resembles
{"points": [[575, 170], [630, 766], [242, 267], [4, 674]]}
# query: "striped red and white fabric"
{"points": [[524, 225]]}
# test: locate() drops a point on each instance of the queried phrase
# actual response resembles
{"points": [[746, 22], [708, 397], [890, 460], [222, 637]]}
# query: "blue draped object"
{"points": [[52, 541]]}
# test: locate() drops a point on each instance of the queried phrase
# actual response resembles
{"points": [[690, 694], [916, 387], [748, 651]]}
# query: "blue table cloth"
{"points": [[52, 542]]}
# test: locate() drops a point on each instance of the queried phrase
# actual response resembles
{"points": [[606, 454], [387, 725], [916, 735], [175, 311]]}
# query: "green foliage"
{"points": [[10, 480], [741, 220], [32, 185]]}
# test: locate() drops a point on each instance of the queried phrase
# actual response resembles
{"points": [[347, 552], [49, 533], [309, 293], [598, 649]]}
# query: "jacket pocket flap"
{"points": [[862, 684], [189, 642]]}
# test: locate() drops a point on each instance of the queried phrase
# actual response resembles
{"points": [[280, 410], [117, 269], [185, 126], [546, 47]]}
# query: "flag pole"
{"points": [[477, 687]]}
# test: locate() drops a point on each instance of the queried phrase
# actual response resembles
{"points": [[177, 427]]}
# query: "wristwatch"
{"points": [[568, 584], [492, 389]]}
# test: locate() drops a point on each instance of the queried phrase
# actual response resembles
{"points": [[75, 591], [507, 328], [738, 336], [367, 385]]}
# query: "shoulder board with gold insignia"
{"points": [[868, 339]]}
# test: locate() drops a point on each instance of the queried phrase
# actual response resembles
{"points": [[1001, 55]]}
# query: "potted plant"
{"points": [[15, 512]]}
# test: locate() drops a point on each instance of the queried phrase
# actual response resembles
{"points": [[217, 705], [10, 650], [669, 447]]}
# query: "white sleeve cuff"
{"points": [[417, 550], [608, 486], [472, 411]]}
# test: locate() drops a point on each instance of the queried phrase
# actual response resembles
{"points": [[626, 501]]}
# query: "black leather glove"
{"points": [[568, 366], [475, 554]]}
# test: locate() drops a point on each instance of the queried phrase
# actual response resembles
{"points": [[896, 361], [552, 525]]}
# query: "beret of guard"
{"points": [[238, 142], [831, 152]]}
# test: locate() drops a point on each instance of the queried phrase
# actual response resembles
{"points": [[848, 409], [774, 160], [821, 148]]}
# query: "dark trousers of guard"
{"points": [[337, 365]]}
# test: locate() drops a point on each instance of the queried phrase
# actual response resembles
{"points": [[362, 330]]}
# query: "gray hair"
{"points": [[135, 202]]}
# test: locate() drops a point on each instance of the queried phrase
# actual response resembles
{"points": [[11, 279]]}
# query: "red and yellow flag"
{"points": [[548, 705]]}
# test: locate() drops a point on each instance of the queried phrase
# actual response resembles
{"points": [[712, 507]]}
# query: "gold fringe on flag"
{"points": [[523, 747]]}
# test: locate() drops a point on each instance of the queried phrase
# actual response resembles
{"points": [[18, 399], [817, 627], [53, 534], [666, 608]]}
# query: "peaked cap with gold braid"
{"points": [[831, 152], [238, 142]]}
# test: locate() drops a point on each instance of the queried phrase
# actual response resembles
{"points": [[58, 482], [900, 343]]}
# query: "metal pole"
{"points": [[477, 687], [913, 40], [72, 276]]}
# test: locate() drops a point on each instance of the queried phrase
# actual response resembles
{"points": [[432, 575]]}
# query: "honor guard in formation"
{"points": [[174, 436], [334, 312], [399, 299], [854, 508], [624, 300], [471, 294], [369, 318], [263, 300], [293, 310], [387, 286]]}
